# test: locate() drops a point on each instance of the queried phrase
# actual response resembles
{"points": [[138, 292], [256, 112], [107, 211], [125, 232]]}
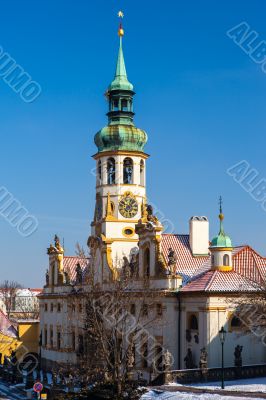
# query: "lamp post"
{"points": [[222, 334]]}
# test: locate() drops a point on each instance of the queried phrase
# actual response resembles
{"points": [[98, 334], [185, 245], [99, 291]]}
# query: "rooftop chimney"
{"points": [[199, 236]]}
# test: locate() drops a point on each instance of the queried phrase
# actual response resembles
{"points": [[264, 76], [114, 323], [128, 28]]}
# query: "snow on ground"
{"points": [[151, 395], [244, 385]]}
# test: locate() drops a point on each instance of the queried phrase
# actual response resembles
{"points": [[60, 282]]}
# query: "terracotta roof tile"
{"points": [[6, 326], [248, 267], [70, 264], [217, 281], [186, 264]]}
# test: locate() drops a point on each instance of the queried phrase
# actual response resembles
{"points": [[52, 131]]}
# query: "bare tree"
{"points": [[249, 308], [26, 306], [8, 292], [115, 335]]}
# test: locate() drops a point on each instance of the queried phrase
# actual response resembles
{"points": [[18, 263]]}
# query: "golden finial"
{"points": [[120, 30]]}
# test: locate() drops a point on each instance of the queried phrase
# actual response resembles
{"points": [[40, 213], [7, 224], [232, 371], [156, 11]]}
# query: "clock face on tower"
{"points": [[128, 207]]}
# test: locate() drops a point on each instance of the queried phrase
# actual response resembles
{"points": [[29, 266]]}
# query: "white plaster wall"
{"points": [[217, 314], [218, 257], [199, 236]]}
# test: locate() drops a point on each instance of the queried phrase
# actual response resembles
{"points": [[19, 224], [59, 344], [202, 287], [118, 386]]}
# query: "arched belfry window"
{"points": [[110, 171], [100, 171], [226, 260], [128, 171], [193, 322], [235, 322], [147, 263], [141, 171]]}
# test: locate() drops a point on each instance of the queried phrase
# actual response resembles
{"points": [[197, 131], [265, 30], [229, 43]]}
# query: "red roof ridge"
{"points": [[175, 234], [83, 258], [211, 279]]}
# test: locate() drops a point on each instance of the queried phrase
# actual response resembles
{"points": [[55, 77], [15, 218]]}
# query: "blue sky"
{"points": [[200, 98]]}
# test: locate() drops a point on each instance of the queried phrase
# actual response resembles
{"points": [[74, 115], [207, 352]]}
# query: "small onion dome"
{"points": [[121, 83], [222, 240], [120, 137]]}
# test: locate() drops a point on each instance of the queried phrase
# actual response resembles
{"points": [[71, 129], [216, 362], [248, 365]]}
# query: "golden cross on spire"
{"points": [[120, 30], [220, 203]]}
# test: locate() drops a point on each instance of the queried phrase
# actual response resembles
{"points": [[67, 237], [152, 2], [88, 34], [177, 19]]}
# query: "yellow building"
{"points": [[21, 337]]}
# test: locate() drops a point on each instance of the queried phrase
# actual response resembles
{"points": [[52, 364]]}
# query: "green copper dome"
{"points": [[120, 137], [222, 240]]}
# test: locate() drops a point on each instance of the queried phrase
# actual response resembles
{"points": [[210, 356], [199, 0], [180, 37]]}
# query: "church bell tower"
{"points": [[120, 168]]}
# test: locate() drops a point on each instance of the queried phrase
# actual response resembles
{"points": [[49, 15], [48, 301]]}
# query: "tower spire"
{"points": [[121, 132], [221, 216], [120, 81]]}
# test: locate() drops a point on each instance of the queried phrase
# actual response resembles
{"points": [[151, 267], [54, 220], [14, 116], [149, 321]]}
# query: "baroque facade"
{"points": [[194, 283]]}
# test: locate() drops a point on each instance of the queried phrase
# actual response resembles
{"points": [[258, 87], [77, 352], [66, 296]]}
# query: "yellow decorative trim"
{"points": [[119, 184], [122, 153], [109, 210], [126, 234], [222, 268], [212, 308], [128, 193], [124, 240], [110, 262], [221, 248], [125, 221]]}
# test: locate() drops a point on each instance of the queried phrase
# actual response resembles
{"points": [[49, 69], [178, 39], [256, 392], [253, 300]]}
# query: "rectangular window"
{"points": [[80, 307], [51, 337], [145, 310], [45, 307], [73, 341], [133, 309], [52, 307], [144, 355], [58, 340], [58, 307], [124, 105], [80, 344], [159, 309], [115, 105], [45, 337]]}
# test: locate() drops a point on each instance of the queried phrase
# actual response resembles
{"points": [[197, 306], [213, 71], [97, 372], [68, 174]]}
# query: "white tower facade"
{"points": [[120, 171]]}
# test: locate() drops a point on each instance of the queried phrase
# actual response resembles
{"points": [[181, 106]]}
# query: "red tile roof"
{"points": [[248, 267], [217, 281], [186, 264], [7, 327], [70, 264]]}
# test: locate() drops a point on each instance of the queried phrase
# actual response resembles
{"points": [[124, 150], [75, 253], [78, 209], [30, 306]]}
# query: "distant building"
{"points": [[20, 303]]}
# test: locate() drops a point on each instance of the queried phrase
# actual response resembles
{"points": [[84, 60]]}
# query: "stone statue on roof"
{"points": [[47, 277], [172, 259], [57, 244], [78, 274]]}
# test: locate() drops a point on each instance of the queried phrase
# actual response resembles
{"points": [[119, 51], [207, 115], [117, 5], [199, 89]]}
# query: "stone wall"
{"points": [[214, 374]]}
